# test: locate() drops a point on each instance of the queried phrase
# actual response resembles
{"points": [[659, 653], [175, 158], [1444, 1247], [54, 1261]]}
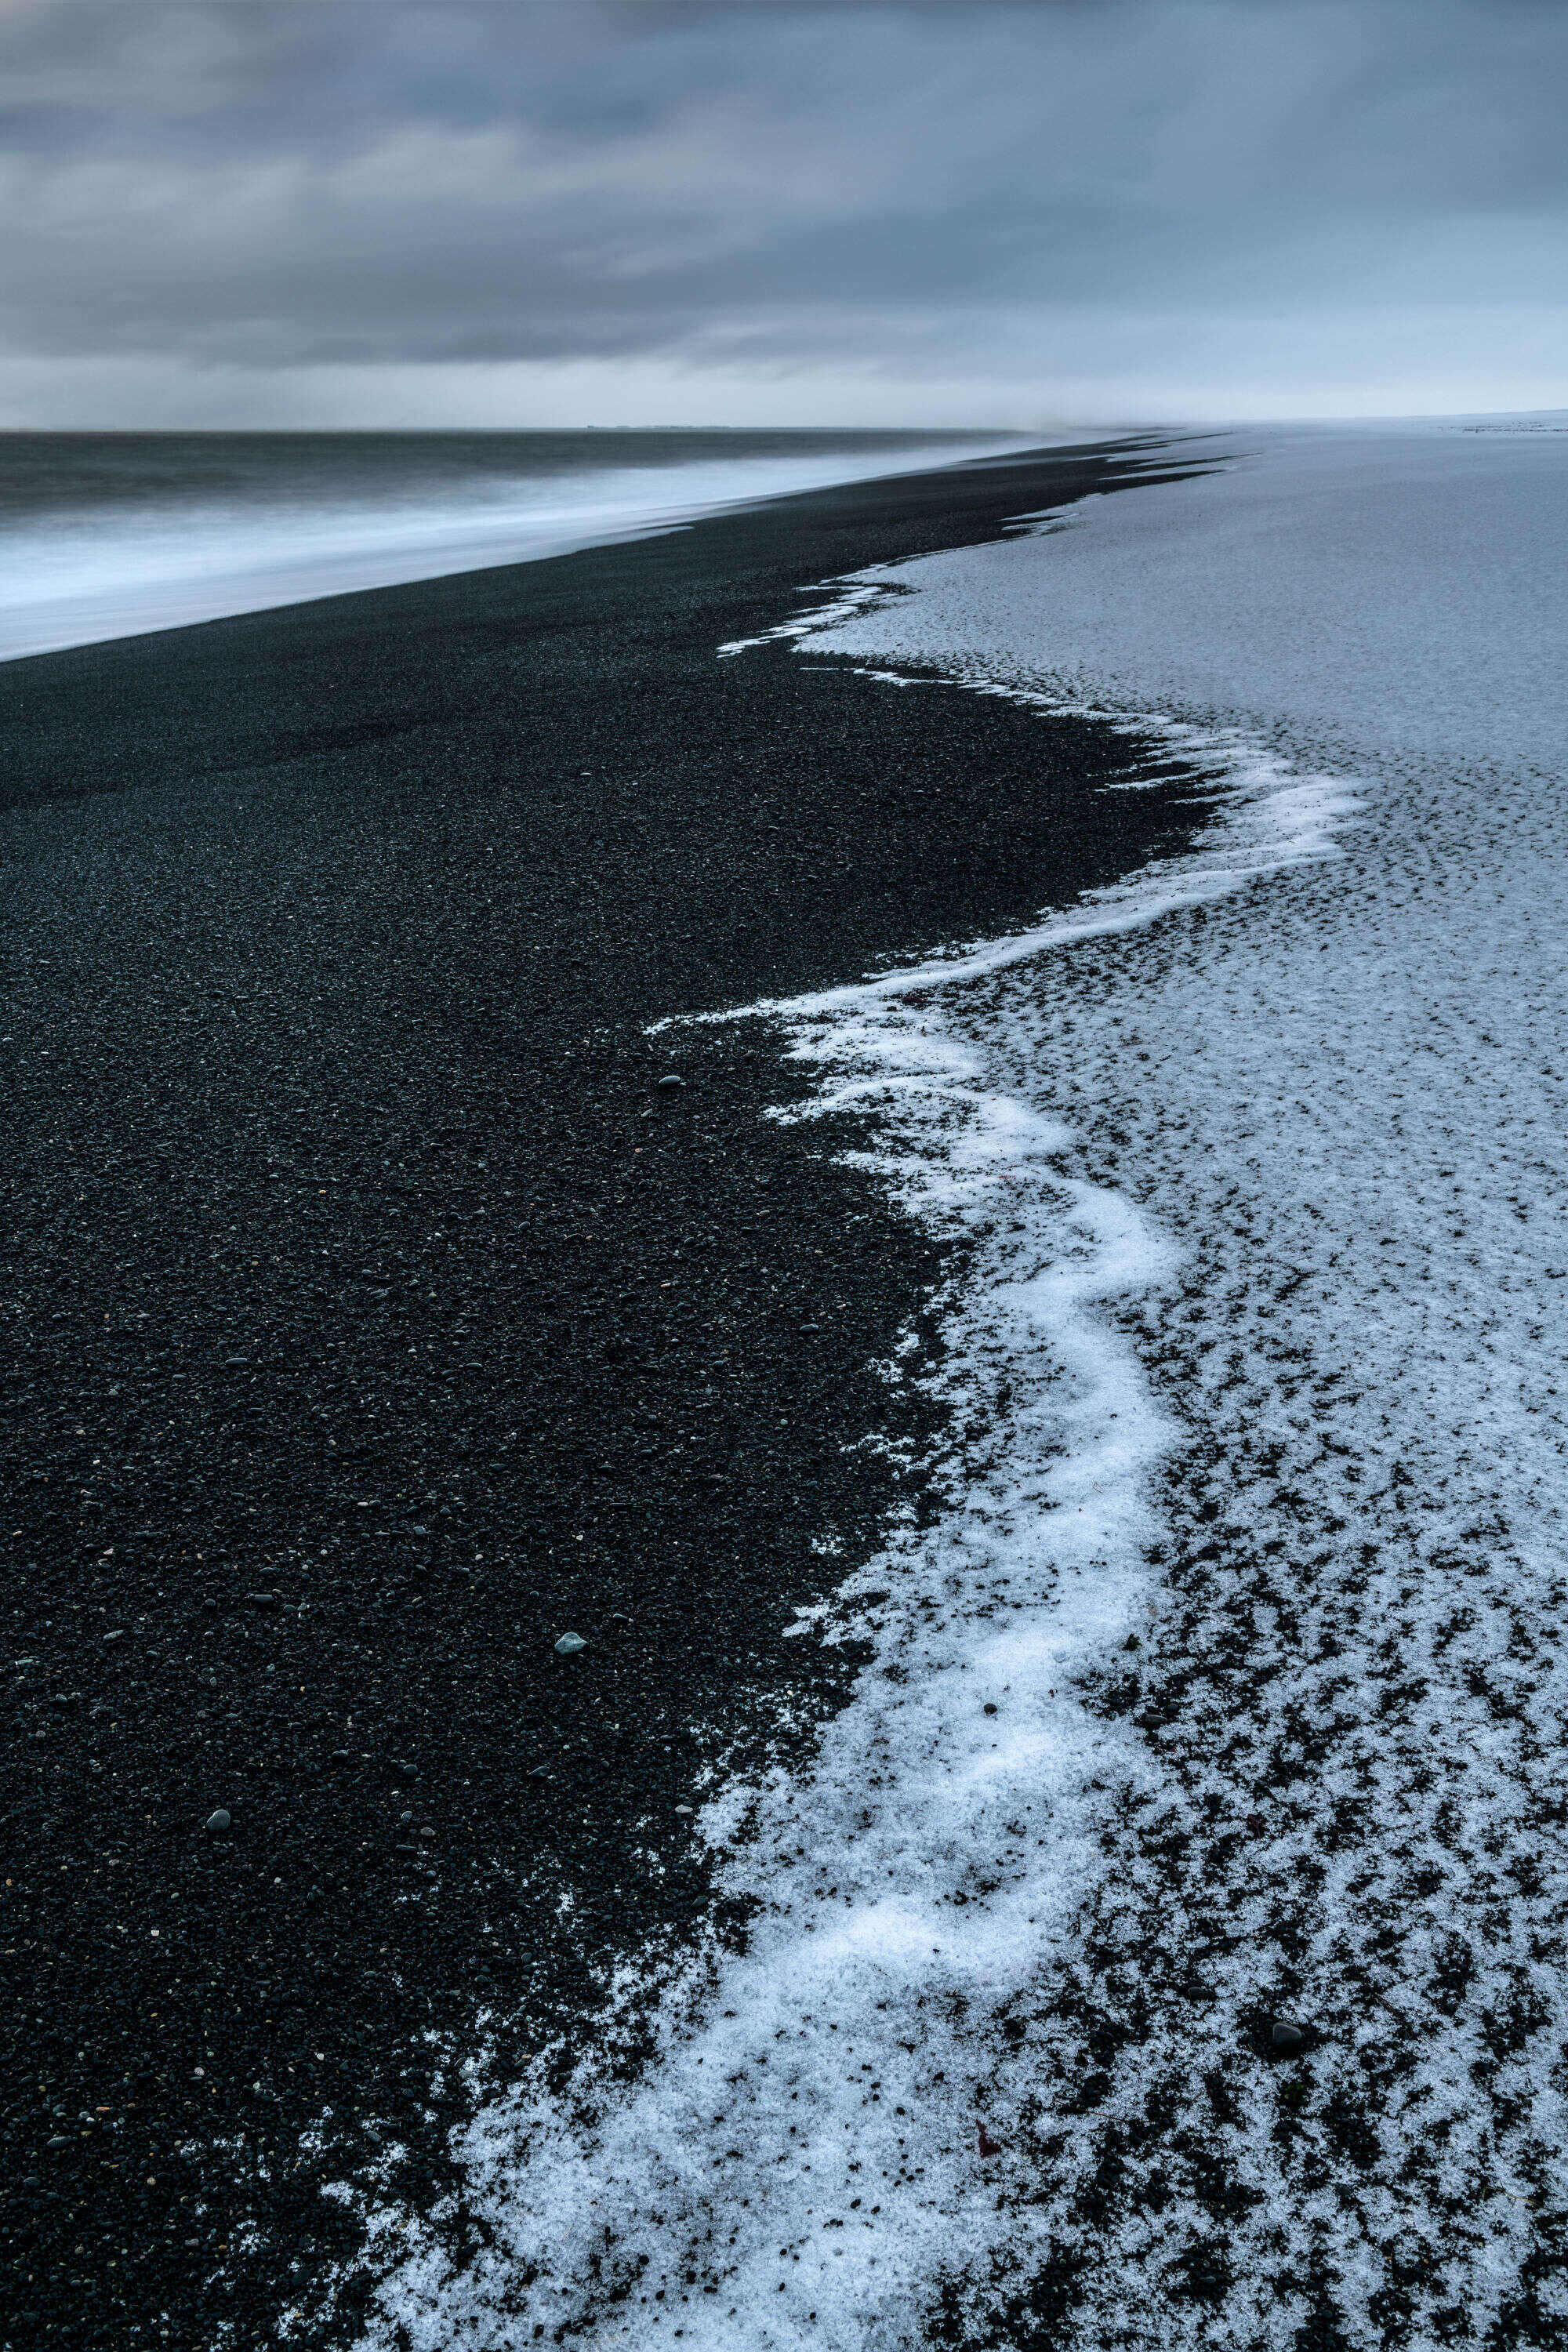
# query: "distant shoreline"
{"points": [[104, 536]]}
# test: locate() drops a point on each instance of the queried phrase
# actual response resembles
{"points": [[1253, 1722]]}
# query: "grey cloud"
{"points": [[276, 184]]}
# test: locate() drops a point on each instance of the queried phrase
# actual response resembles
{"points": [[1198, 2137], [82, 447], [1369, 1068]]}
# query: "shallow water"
{"points": [[1228, 1687]]}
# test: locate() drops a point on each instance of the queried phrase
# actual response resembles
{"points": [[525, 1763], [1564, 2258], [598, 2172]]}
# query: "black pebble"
{"points": [[1286, 2039], [387, 1053]]}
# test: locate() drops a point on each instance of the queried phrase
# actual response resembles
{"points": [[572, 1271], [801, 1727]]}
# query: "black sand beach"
{"points": [[376, 1317]]}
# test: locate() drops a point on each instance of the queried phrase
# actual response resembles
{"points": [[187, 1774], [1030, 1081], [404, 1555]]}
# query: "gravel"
{"points": [[366, 1275]]}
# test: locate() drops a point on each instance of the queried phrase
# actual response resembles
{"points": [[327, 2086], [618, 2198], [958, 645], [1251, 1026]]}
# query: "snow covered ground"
{"points": [[1229, 1689]]}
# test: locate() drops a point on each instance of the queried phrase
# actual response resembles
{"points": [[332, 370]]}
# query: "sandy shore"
{"points": [[379, 1316]]}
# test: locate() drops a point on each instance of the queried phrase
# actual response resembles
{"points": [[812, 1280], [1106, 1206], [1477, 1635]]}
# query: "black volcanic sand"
{"points": [[376, 1318]]}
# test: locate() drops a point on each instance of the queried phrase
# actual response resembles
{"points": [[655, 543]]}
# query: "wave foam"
{"points": [[1253, 1536], [830, 2117]]}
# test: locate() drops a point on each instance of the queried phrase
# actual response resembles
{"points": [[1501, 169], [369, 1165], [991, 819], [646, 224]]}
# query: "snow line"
{"points": [[824, 2136], [807, 2151]]}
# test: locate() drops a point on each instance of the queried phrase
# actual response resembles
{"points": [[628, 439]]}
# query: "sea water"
{"points": [[1229, 1686], [113, 534]]}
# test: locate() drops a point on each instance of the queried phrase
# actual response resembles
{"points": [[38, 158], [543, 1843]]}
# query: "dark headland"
{"points": [[375, 1316]]}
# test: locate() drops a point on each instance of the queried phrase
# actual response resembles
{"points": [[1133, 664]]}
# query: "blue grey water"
{"points": [[113, 534]]}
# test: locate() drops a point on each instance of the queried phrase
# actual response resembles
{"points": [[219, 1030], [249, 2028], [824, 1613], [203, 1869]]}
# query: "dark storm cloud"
{"points": [[239, 181]]}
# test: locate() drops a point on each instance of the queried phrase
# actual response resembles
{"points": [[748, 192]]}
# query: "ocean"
{"points": [[1168, 1941], [114, 534]]}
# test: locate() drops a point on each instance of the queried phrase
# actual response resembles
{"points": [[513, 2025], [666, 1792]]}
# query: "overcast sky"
{"points": [[628, 211]]}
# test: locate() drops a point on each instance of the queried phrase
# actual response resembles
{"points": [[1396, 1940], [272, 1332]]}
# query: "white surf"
{"points": [[78, 576], [1226, 1690]]}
